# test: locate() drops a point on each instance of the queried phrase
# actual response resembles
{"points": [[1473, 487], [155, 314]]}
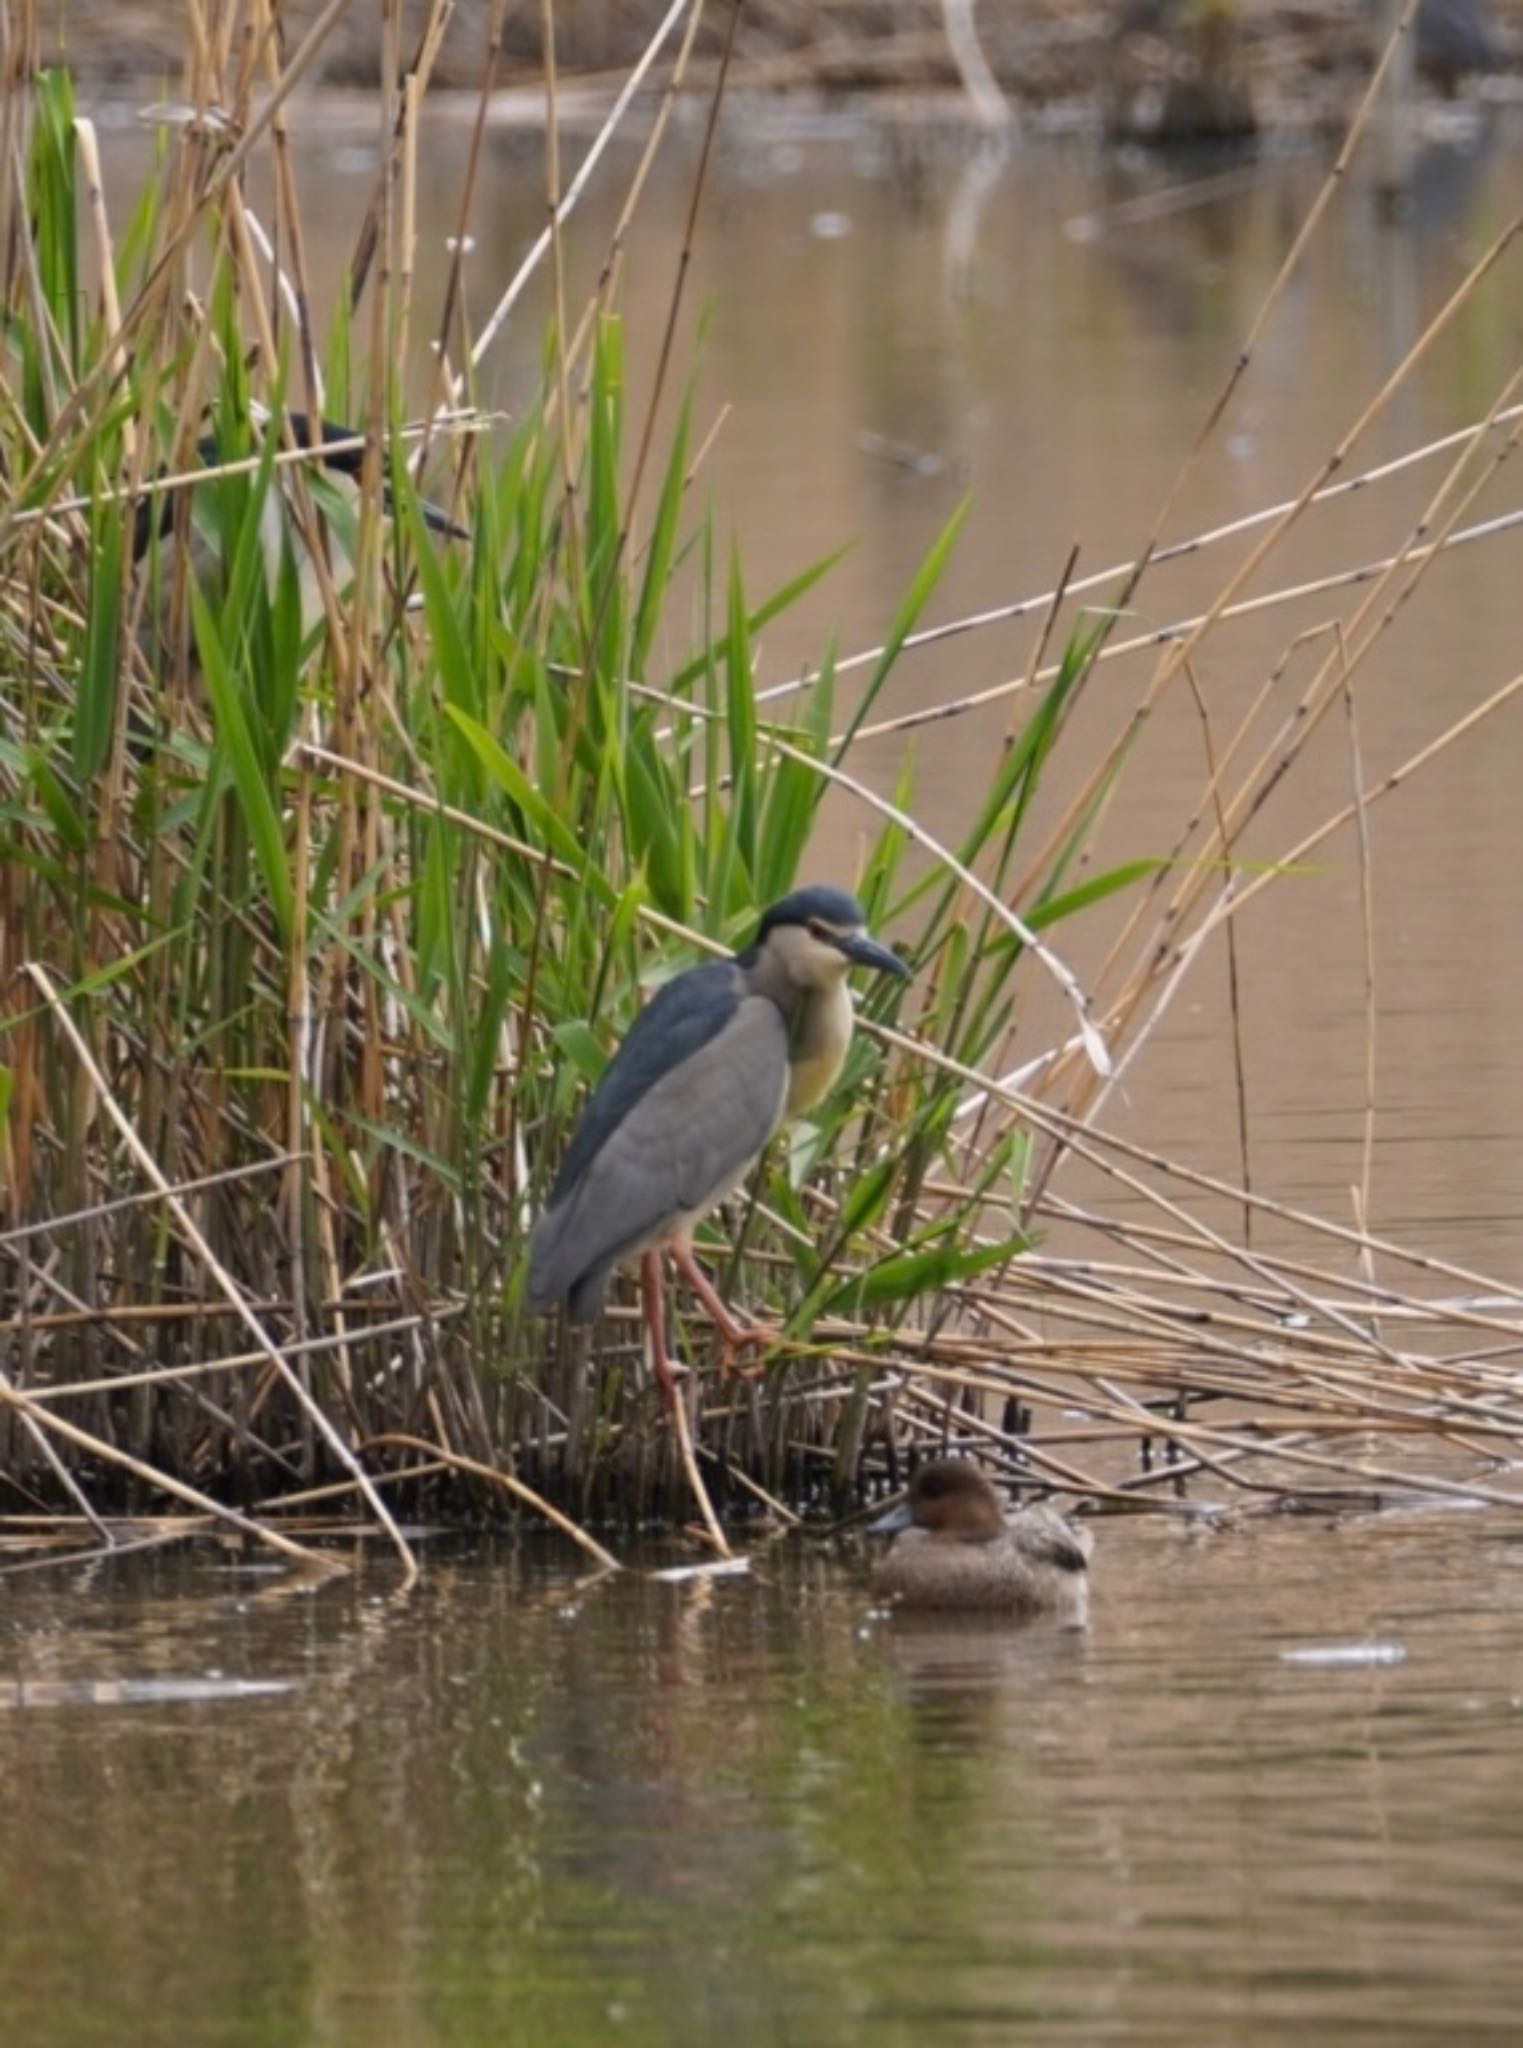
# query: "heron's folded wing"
{"points": [[679, 1145], [677, 1021]]}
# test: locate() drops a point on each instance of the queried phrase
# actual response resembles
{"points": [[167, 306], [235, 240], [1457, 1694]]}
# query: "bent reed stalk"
{"points": [[327, 889]]}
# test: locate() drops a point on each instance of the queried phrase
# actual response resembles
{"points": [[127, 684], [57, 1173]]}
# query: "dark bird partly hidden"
{"points": [[714, 1064], [956, 1548], [343, 455]]}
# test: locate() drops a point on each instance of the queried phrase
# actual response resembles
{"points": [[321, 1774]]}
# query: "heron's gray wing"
{"points": [[680, 1145], [1046, 1537], [678, 1020]]}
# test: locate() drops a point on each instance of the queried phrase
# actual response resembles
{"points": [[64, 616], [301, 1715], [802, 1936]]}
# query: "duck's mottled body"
{"points": [[958, 1550]]}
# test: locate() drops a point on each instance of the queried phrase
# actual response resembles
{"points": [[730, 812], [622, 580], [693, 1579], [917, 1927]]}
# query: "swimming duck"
{"points": [[957, 1549]]}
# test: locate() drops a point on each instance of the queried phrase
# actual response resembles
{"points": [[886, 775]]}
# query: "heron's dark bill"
{"points": [[865, 952]]}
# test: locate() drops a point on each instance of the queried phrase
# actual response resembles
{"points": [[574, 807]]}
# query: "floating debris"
{"points": [[135, 1692], [721, 1568], [1344, 1656], [900, 454]]}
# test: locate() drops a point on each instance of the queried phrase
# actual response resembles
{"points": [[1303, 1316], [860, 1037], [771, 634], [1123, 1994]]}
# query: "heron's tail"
{"points": [[557, 1271]]}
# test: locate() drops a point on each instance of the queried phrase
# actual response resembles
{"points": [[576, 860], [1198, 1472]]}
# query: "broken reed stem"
{"points": [[1367, 934], [683, 1431], [492, 1475]]}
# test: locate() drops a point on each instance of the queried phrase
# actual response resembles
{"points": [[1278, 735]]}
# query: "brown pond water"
{"points": [[894, 318], [514, 1808]]}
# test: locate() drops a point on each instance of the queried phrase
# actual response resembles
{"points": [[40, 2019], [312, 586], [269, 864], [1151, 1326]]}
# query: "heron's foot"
{"points": [[740, 1339], [735, 1336]]}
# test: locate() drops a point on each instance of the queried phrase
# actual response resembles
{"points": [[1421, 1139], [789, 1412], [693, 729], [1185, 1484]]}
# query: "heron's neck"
{"points": [[819, 1037], [819, 1029]]}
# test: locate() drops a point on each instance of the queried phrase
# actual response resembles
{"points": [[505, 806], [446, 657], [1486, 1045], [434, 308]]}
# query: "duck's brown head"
{"points": [[950, 1497]]}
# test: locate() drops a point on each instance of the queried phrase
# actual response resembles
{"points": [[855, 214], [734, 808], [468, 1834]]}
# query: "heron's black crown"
{"points": [[834, 907]]}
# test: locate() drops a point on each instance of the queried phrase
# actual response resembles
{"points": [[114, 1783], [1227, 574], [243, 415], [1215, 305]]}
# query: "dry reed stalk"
{"points": [[1100, 1143], [1133, 571], [1119, 572], [605, 288], [117, 1204], [566, 202], [1255, 1302], [1341, 659], [167, 1375], [453, 303], [54, 1462], [509, 1484], [1350, 1289], [1179, 631], [1305, 234], [1348, 813], [288, 218], [164, 1482], [76, 415], [1319, 693], [1367, 935], [1178, 956], [1124, 1009], [219, 1273], [293, 456], [114, 1547]]}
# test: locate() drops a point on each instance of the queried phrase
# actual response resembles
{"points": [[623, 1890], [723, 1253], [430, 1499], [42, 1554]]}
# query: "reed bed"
{"points": [[326, 892]]}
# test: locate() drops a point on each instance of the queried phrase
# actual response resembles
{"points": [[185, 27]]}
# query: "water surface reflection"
{"points": [[520, 1808]]}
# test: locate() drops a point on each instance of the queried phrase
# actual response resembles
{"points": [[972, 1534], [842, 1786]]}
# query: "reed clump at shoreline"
{"points": [[327, 889]]}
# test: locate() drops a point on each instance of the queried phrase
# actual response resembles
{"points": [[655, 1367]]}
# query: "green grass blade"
{"points": [[235, 741]]}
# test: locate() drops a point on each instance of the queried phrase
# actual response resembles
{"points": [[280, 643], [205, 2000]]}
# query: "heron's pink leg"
{"points": [[666, 1368], [734, 1336]]}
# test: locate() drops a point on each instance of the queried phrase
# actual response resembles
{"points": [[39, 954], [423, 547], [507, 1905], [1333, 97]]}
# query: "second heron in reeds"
{"points": [[712, 1067], [339, 456]]}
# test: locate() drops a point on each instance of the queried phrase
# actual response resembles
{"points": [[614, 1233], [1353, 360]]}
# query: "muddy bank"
{"points": [[1263, 61]]}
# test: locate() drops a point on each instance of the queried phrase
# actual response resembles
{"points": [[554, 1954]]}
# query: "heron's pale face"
{"points": [[812, 953]]}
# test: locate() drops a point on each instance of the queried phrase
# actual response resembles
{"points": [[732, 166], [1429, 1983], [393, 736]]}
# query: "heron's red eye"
{"points": [[816, 929]]}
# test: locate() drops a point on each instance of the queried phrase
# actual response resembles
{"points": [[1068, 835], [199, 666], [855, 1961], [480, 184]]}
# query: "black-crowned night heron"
{"points": [[713, 1065], [342, 458]]}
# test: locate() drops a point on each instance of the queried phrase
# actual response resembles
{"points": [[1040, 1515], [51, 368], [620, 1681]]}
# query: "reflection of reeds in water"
{"points": [[319, 918]]}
